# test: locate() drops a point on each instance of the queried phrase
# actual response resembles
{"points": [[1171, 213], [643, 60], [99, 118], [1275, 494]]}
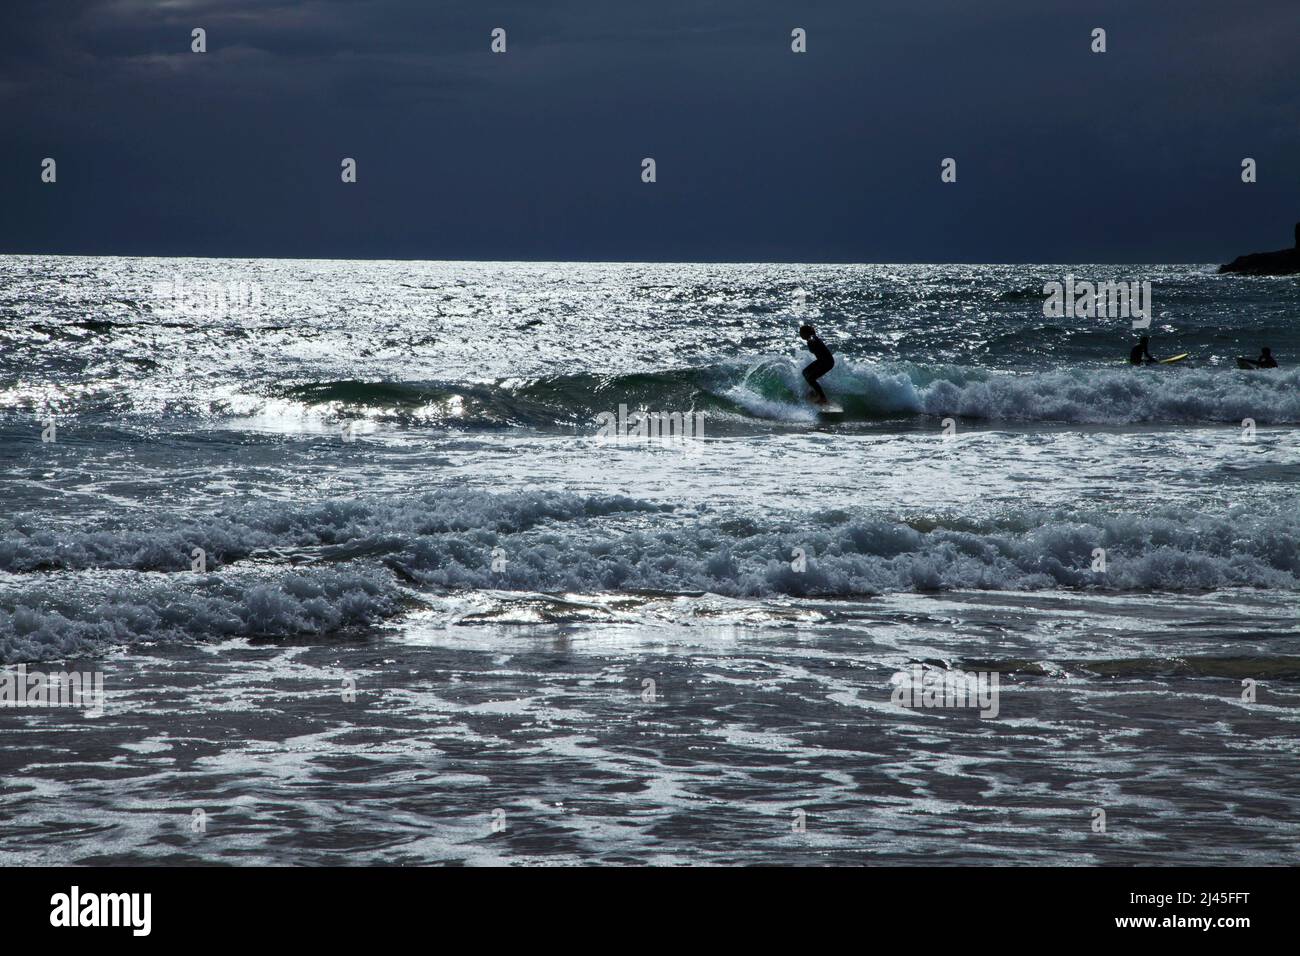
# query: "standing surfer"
{"points": [[823, 361]]}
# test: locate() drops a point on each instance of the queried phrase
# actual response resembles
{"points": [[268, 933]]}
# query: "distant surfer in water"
{"points": [[823, 363], [1265, 359], [1141, 351]]}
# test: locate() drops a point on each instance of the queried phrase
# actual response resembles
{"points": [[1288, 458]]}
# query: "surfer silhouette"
{"points": [[1140, 351], [1265, 359], [823, 361]]}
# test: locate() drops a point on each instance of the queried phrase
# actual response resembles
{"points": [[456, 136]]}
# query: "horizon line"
{"points": [[666, 262]]}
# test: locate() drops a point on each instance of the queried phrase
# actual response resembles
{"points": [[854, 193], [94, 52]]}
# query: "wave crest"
{"points": [[281, 571]]}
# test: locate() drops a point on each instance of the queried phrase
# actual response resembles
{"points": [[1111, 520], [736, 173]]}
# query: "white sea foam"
{"points": [[60, 616], [79, 590], [1097, 396]]}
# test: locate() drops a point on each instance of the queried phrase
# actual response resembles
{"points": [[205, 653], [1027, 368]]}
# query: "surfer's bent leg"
{"points": [[814, 371]]}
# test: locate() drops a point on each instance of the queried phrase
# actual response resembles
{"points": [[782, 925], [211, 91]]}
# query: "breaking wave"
{"points": [[283, 571], [773, 389]]}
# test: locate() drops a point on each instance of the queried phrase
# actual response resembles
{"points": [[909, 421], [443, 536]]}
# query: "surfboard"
{"points": [[1163, 361], [829, 409]]}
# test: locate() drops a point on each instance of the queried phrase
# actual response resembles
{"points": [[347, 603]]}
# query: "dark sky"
{"points": [[763, 154]]}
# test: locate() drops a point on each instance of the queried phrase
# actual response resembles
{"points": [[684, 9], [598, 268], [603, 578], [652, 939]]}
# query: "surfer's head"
{"points": [[806, 332], [1144, 340], [1266, 351]]}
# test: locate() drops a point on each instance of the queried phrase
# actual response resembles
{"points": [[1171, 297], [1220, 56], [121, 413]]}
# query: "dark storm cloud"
{"points": [[1063, 155]]}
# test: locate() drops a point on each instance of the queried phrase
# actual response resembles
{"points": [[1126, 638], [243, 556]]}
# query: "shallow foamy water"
{"points": [[518, 742]]}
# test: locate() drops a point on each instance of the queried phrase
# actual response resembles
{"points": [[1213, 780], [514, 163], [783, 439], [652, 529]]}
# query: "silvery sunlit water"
{"points": [[388, 473]]}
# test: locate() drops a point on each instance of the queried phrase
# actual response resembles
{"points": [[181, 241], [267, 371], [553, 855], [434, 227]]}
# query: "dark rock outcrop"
{"points": [[1284, 262]]}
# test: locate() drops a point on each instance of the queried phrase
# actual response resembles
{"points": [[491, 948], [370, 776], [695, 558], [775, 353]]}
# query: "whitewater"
{"points": [[390, 474]]}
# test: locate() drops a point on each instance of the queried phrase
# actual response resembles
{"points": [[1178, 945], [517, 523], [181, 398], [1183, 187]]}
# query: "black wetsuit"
{"points": [[1139, 350], [1266, 362], [823, 364]]}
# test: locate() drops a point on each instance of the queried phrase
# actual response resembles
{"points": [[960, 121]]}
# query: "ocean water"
{"points": [[439, 617]]}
